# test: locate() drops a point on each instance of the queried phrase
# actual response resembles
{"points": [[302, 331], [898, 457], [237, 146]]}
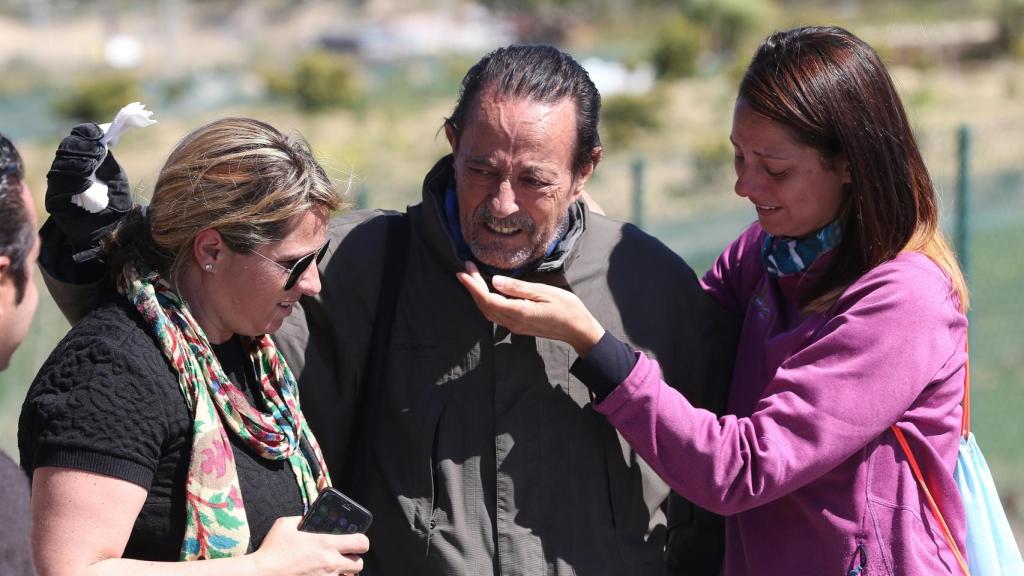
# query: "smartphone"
{"points": [[334, 513]]}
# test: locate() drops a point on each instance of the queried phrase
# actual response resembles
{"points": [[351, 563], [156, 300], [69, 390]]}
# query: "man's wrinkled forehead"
{"points": [[511, 122], [491, 97]]}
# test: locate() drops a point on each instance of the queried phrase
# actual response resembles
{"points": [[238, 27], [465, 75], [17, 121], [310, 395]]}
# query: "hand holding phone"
{"points": [[334, 513]]}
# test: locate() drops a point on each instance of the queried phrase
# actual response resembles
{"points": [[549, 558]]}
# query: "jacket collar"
{"points": [[432, 225]]}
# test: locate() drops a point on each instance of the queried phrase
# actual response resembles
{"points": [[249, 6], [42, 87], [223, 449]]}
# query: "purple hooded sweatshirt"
{"points": [[804, 466]]}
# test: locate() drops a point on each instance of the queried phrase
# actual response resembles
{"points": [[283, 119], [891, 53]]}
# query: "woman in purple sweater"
{"points": [[853, 320]]}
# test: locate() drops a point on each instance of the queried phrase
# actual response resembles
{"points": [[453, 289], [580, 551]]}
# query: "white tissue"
{"points": [[94, 199], [134, 115]]}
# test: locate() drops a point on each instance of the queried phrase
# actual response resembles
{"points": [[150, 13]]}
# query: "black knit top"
{"points": [[107, 401]]}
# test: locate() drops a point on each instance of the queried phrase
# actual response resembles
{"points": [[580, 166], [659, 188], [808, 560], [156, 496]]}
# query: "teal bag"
{"points": [[991, 548]]}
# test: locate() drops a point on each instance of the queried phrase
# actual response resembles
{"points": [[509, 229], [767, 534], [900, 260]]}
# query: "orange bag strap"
{"points": [[965, 429], [931, 501], [965, 424]]}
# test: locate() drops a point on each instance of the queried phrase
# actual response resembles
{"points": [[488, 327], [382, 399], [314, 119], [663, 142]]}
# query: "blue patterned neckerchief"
{"points": [[784, 256], [451, 211]]}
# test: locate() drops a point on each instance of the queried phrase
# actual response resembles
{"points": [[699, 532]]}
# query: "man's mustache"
{"points": [[517, 220]]}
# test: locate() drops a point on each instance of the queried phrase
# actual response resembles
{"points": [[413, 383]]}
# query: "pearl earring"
{"points": [[208, 267]]}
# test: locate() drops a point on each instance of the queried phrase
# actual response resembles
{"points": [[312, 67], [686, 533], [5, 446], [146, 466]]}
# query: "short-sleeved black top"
{"points": [[107, 401]]}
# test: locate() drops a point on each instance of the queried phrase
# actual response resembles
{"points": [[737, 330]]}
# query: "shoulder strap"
{"points": [[965, 429], [965, 424], [396, 252], [395, 256], [931, 501]]}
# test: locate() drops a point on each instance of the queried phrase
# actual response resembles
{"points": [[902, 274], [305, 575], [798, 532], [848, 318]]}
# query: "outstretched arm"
{"points": [[893, 334], [534, 309]]}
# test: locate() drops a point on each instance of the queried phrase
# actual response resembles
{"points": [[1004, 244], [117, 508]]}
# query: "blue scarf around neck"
{"points": [[465, 253], [785, 256]]}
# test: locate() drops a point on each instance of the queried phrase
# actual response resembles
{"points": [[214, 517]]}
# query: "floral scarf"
{"points": [[215, 521]]}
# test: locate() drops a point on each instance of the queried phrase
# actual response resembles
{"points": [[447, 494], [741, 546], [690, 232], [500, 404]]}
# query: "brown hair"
{"points": [[17, 234], [237, 175], [831, 90]]}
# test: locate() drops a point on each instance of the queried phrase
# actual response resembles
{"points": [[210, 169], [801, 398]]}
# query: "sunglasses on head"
{"points": [[296, 268]]}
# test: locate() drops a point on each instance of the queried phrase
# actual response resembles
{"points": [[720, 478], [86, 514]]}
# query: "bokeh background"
{"points": [[369, 83]]}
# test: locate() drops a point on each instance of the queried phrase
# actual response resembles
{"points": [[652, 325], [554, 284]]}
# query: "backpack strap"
{"points": [[395, 256], [965, 429]]}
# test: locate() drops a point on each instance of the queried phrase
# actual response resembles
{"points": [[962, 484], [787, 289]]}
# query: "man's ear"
{"points": [[453, 138], [587, 171], [6, 282], [595, 157], [209, 249]]}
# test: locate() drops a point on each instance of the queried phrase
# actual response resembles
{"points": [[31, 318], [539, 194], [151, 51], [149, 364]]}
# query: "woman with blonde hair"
{"points": [[853, 312], [166, 426]]}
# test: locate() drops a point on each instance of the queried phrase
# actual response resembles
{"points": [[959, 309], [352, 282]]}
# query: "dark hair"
{"points": [[17, 234], [831, 90], [540, 74]]}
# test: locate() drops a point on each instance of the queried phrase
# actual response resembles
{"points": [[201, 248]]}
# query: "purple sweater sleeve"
{"points": [[734, 275], [891, 334]]}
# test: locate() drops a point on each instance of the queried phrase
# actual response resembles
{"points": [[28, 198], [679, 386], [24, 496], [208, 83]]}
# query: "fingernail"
{"points": [[499, 281]]}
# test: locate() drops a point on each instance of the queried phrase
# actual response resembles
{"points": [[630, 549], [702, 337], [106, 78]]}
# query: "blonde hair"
{"points": [[931, 242], [239, 176]]}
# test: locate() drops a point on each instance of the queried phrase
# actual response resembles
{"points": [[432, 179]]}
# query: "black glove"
{"points": [[78, 155]]}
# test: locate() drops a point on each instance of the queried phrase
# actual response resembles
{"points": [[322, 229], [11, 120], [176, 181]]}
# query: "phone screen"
{"points": [[334, 513]]}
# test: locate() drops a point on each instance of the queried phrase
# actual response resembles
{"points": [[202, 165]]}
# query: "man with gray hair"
{"points": [[475, 449]]}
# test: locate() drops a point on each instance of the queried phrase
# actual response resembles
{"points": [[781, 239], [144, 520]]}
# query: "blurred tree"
{"points": [[324, 80], [278, 83], [677, 47], [729, 23], [319, 81], [98, 97], [624, 117], [720, 29], [1011, 27]]}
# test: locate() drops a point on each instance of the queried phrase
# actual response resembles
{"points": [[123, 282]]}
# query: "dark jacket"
{"points": [[15, 521], [483, 453]]}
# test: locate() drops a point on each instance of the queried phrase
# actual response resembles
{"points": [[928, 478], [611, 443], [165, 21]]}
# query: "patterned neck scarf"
{"points": [[215, 521], [784, 256]]}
